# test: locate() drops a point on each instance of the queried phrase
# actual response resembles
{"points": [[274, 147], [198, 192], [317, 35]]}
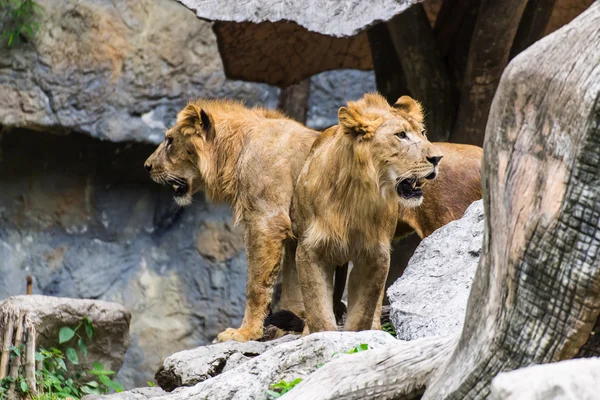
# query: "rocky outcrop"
{"points": [[116, 71], [430, 298], [189, 367], [286, 361], [574, 380], [49, 314]]}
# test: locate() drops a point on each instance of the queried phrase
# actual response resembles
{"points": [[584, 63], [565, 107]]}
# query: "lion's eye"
{"points": [[401, 135], [169, 140]]}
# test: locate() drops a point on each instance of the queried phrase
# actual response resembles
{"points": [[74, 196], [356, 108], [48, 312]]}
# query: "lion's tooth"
{"points": [[175, 187]]}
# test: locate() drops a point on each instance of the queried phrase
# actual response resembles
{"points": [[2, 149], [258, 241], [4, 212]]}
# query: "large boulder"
{"points": [[567, 380], [430, 298], [49, 314], [188, 367]]}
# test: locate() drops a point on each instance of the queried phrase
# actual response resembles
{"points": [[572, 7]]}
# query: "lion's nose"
{"points": [[148, 167], [434, 160]]}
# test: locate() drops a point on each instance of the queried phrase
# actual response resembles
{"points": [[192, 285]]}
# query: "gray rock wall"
{"points": [[83, 218]]}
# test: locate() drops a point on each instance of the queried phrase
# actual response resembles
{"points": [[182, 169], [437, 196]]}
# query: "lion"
{"points": [[345, 206], [445, 199], [249, 158]]}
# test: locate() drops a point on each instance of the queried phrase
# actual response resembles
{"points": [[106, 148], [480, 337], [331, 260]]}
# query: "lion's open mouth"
{"points": [[179, 185], [410, 188]]}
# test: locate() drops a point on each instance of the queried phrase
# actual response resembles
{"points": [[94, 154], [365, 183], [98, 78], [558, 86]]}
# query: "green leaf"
{"points": [[118, 387], [90, 390], [24, 386], [65, 334], [105, 380], [39, 356], [363, 347], [92, 384], [89, 327], [61, 363], [295, 382], [98, 365], [319, 365], [72, 355], [83, 347], [151, 384], [272, 393]]}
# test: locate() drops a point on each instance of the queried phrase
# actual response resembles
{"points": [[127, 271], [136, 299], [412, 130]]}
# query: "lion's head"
{"points": [[181, 160], [392, 142]]}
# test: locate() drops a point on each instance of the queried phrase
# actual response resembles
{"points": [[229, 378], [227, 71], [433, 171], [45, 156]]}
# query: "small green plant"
{"points": [[389, 328], [356, 349], [280, 388], [54, 379], [18, 19]]}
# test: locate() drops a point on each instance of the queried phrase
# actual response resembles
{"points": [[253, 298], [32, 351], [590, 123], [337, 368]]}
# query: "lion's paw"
{"points": [[238, 335]]}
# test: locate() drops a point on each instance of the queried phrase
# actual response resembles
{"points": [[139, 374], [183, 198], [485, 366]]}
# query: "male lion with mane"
{"points": [[345, 207], [249, 158]]}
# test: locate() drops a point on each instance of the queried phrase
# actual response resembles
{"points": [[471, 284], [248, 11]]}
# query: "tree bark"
{"points": [[388, 71], [533, 24], [495, 29], [293, 100], [536, 294], [17, 331], [453, 30], [425, 73]]}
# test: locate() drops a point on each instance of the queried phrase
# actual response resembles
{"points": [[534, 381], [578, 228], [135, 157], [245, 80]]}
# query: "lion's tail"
{"points": [[286, 321]]}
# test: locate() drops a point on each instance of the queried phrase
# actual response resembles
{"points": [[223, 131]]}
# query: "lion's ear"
{"points": [[354, 123], [196, 121], [410, 106]]}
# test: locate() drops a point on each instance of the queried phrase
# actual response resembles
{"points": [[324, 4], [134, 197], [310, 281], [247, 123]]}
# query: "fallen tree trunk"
{"points": [[536, 294], [397, 372]]}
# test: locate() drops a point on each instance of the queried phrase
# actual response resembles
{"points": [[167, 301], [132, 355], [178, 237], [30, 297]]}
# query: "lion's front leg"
{"points": [[316, 280], [264, 252], [365, 290]]}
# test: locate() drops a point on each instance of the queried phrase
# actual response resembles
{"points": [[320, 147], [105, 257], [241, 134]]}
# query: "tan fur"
{"points": [[345, 207], [250, 159], [445, 199]]}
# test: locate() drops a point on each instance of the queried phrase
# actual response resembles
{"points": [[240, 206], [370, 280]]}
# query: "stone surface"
{"points": [[287, 361], [117, 71], [189, 367], [329, 17], [135, 394], [566, 380], [48, 314], [85, 220], [430, 298]]}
